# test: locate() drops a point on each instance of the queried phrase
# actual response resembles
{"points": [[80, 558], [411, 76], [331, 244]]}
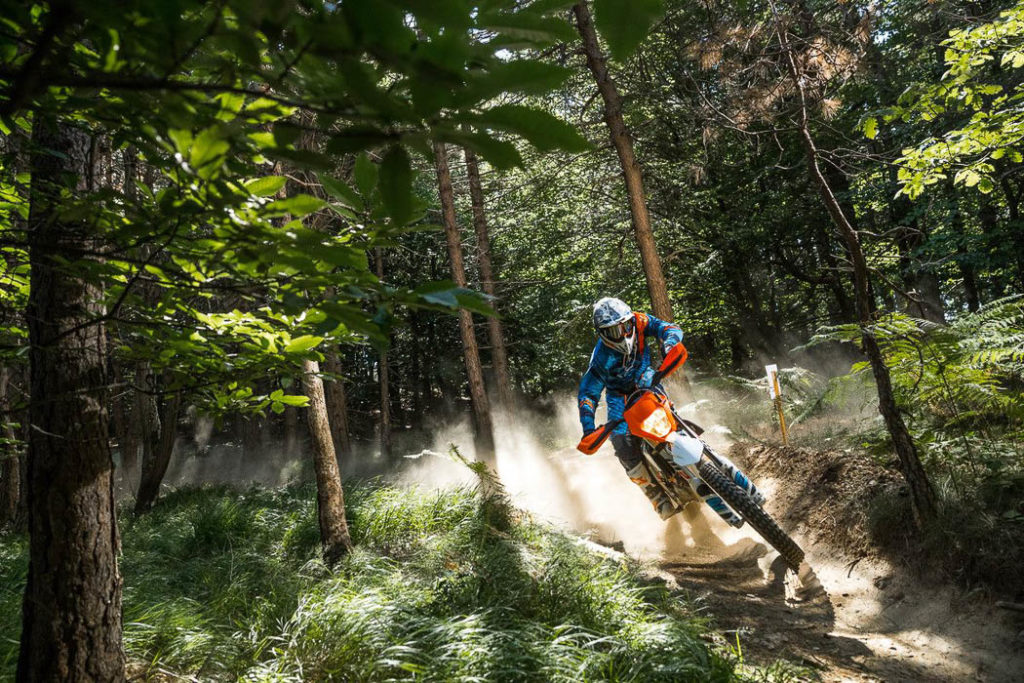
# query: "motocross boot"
{"points": [[641, 476]]}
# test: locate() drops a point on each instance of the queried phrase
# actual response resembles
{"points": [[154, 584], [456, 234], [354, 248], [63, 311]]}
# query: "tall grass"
{"points": [[454, 585]]}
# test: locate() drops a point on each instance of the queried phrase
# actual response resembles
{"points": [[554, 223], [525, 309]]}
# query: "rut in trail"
{"points": [[857, 618], [869, 620]]}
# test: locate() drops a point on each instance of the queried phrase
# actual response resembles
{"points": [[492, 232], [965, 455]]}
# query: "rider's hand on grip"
{"points": [[674, 359], [591, 441]]}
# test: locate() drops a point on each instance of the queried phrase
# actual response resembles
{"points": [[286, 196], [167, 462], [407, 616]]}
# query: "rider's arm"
{"points": [[589, 394], [669, 334]]}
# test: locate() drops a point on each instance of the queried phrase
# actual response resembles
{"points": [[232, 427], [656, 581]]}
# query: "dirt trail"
{"points": [[869, 621], [862, 620]]}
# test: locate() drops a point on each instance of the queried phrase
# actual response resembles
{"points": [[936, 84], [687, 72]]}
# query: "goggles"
{"points": [[618, 331]]}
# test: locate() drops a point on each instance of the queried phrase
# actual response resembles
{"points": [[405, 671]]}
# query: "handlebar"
{"points": [[673, 360], [675, 357]]}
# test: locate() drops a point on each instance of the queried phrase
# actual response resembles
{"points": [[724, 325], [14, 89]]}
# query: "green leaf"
{"points": [[501, 154], [207, 151], [293, 400], [265, 187], [529, 27], [341, 191], [396, 184], [302, 344], [871, 128], [545, 131], [526, 76], [624, 23], [299, 205], [365, 175], [448, 295]]}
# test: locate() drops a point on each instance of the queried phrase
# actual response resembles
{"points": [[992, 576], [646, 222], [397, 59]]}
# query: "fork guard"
{"points": [[686, 453], [741, 480]]}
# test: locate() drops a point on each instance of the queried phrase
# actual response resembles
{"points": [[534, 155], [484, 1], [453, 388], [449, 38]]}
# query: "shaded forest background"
{"points": [[306, 227]]}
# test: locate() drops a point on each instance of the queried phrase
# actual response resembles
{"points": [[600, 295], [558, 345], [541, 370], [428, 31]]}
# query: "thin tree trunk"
{"points": [[963, 260], [10, 459], [656, 288], [383, 379], [71, 627], [154, 468], [499, 357], [922, 297], [129, 429], [921, 493], [291, 431], [330, 499], [337, 402], [471, 354], [145, 422]]}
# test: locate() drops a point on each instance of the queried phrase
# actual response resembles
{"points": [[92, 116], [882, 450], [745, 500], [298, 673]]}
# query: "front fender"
{"points": [[686, 450]]}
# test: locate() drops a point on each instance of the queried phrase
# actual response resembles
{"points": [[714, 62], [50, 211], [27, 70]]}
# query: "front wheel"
{"points": [[752, 513]]}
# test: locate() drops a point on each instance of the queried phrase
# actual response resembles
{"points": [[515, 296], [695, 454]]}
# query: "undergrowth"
{"points": [[453, 585], [960, 388]]}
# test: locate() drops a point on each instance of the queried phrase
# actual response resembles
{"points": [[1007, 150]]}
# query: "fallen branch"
{"points": [[1015, 606]]}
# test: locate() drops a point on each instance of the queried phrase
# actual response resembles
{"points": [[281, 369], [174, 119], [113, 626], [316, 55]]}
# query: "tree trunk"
{"points": [[922, 495], [10, 459], [154, 468], [499, 357], [131, 433], [656, 288], [291, 432], [71, 628], [330, 500], [383, 379], [145, 421], [922, 299], [963, 258], [337, 402], [471, 354]]}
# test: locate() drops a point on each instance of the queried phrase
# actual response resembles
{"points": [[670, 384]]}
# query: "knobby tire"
{"points": [[752, 513]]}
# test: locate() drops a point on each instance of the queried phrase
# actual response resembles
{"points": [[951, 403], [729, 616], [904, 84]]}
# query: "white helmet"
{"points": [[615, 324]]}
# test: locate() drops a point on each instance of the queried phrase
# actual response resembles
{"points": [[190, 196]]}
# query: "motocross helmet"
{"points": [[615, 324]]}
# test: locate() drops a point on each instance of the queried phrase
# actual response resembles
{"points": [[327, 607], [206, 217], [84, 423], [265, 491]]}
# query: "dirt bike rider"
{"points": [[620, 364]]}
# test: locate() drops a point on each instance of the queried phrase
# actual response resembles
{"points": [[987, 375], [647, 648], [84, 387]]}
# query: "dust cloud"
{"points": [[543, 473]]}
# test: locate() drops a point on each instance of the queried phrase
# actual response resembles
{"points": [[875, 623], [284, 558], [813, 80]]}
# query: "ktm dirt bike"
{"points": [[688, 469]]}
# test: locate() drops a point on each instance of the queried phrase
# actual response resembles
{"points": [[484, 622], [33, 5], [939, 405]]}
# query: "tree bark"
{"points": [[963, 259], [922, 495], [291, 432], [337, 402], [383, 379], [154, 468], [330, 500], [499, 356], [145, 421], [71, 627], [10, 459], [656, 288], [474, 371]]}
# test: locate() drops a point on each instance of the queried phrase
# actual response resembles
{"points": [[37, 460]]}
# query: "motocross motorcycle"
{"points": [[686, 467]]}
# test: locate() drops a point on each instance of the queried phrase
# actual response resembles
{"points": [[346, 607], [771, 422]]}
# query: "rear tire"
{"points": [[752, 513]]}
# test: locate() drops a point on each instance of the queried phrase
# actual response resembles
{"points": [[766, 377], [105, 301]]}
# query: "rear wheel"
{"points": [[752, 513]]}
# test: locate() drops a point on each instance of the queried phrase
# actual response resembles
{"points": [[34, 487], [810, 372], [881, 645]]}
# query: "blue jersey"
{"points": [[617, 374]]}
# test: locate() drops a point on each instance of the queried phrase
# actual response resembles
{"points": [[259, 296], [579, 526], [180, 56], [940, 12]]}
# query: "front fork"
{"points": [[686, 451]]}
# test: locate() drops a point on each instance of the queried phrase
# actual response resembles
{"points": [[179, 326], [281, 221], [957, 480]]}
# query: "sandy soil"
{"points": [[863, 620], [853, 617]]}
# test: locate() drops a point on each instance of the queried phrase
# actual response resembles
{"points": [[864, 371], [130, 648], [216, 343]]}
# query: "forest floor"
{"points": [[866, 613], [860, 616]]}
